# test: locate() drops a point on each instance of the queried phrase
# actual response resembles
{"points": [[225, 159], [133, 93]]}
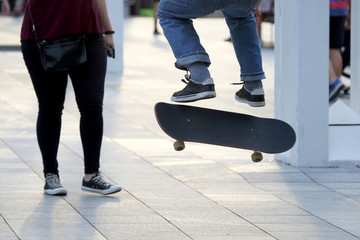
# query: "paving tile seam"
{"points": [[297, 206], [84, 217], [19, 157], [206, 197], [230, 210], [34, 171], [138, 199], [157, 213], [330, 189], [7, 224], [316, 216], [148, 206], [16, 109]]}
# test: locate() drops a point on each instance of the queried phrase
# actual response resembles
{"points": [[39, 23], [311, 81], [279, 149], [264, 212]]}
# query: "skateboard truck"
{"points": [[257, 156]]}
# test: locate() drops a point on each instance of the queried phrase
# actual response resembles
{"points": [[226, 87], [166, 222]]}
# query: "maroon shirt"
{"points": [[57, 18]]}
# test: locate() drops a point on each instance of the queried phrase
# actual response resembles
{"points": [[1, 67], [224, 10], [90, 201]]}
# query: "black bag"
{"points": [[61, 53]]}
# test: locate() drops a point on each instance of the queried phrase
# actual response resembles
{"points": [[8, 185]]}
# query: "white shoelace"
{"points": [[100, 181]]}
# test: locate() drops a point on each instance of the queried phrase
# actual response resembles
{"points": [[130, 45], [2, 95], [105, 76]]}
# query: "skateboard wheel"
{"points": [[179, 145], [257, 157]]}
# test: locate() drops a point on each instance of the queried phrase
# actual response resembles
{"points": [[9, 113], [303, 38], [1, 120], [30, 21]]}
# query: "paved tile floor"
{"points": [[201, 193]]}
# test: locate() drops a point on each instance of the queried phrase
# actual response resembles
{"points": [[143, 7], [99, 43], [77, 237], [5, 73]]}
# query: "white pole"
{"points": [[355, 56], [301, 77], [116, 13]]}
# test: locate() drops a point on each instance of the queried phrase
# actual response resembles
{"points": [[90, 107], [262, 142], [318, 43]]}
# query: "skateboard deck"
{"points": [[202, 125]]}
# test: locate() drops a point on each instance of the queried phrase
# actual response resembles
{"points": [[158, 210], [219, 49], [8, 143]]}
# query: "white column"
{"points": [[116, 13], [355, 56], [301, 77]]}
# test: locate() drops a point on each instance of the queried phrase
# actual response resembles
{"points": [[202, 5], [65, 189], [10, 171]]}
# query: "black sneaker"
{"points": [[255, 98], [98, 185], [194, 91], [53, 185]]}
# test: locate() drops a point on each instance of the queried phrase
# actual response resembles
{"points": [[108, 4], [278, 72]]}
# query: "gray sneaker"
{"points": [[195, 91], [98, 185], [53, 185]]}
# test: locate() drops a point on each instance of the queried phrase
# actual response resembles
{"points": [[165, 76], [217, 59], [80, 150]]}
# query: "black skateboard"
{"points": [[202, 125]]}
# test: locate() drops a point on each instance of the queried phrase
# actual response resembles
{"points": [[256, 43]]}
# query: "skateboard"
{"points": [[202, 125]]}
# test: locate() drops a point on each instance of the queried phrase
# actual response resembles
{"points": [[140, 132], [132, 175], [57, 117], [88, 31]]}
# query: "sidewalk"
{"points": [[201, 193]]}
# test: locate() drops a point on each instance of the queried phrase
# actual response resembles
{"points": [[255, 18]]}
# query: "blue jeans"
{"points": [[175, 19]]}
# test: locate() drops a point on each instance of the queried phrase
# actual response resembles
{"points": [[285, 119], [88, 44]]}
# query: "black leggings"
{"points": [[50, 87]]}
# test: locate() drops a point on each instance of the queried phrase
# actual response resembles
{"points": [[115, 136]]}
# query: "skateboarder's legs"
{"points": [[246, 42], [175, 18]]}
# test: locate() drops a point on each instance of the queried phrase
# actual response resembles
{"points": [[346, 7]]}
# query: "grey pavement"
{"points": [[201, 193]]}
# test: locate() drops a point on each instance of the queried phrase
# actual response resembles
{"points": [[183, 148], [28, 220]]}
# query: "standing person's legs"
{"points": [[245, 38], [337, 30], [336, 61], [50, 90], [345, 55], [88, 82], [155, 9]]}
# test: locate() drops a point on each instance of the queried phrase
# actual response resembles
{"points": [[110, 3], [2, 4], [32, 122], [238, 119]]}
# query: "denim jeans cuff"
{"points": [[252, 76], [185, 61]]}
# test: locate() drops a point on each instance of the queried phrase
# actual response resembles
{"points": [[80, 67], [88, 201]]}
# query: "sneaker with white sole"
{"points": [[98, 185], [255, 98], [53, 185], [195, 91]]}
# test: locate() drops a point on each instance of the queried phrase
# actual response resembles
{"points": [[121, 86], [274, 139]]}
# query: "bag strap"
{"points": [[34, 28], [33, 24]]}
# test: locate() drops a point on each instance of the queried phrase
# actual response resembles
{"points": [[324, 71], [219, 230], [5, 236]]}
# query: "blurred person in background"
{"points": [[347, 44], [338, 14], [156, 6], [5, 7], [266, 7], [12, 6]]}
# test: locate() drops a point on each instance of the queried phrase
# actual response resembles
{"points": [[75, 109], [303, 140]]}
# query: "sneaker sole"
{"points": [[113, 189], [336, 97], [194, 97], [58, 191], [252, 104], [336, 93]]}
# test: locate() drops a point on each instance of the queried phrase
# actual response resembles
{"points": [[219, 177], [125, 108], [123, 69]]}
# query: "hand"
{"points": [[109, 41], [257, 12], [5, 7], [348, 21]]}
